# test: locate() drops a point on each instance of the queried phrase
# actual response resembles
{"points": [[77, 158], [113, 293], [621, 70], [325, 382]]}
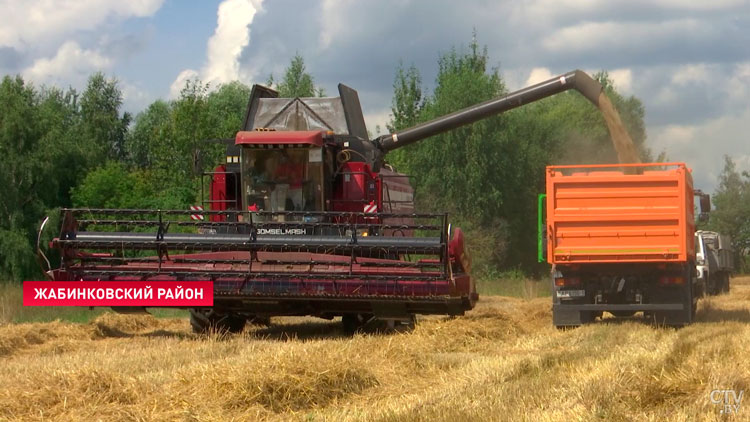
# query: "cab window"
{"points": [[282, 179]]}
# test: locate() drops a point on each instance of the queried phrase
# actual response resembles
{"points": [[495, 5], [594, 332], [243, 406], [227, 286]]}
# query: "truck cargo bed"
{"points": [[603, 214]]}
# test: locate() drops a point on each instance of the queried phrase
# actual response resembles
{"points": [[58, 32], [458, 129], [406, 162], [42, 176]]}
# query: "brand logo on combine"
{"points": [[281, 231], [728, 399]]}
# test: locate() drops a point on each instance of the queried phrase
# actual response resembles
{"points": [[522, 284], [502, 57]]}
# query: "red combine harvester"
{"points": [[304, 218]]}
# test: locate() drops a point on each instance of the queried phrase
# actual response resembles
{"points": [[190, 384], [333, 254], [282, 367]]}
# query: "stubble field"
{"points": [[502, 361]]}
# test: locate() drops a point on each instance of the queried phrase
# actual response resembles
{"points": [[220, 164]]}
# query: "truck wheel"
{"points": [[714, 284], [725, 282], [206, 321]]}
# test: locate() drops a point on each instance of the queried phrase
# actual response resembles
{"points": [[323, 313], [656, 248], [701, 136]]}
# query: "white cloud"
{"points": [[738, 85], [225, 46], [179, 82], [672, 137], [55, 37], [378, 119], [538, 74], [623, 79], [332, 11], [134, 98], [703, 146], [70, 66], [551, 10], [612, 35], [30, 22], [692, 73]]}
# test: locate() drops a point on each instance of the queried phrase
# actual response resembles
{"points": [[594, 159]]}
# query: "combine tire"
{"points": [[261, 321], [354, 322], [206, 321]]}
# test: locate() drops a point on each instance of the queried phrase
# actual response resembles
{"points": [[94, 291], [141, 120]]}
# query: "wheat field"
{"points": [[502, 361]]}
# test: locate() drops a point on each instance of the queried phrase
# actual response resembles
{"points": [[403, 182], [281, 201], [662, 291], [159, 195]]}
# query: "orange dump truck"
{"points": [[620, 242]]}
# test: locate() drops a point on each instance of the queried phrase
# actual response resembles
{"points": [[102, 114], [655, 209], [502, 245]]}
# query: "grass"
{"points": [[502, 361], [513, 284]]}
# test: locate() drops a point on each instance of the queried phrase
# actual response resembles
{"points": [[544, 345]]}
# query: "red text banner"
{"points": [[118, 293]]}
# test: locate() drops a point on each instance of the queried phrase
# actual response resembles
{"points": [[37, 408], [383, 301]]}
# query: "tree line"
{"points": [[62, 148], [731, 211]]}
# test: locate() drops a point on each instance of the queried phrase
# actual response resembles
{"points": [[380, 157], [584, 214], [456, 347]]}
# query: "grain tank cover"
{"points": [[281, 114], [341, 115], [598, 214]]}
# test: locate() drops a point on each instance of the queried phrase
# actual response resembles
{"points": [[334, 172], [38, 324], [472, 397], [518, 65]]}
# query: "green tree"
{"points": [[167, 150], [39, 165], [226, 109], [151, 129], [457, 171], [731, 203], [103, 128], [407, 98], [19, 174], [297, 82], [115, 186], [68, 158]]}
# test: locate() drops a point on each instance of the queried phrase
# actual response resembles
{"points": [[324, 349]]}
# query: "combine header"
{"points": [[304, 218]]}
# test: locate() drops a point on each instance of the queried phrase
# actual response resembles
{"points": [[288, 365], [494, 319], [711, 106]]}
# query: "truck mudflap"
{"points": [[672, 314], [573, 315], [635, 307]]}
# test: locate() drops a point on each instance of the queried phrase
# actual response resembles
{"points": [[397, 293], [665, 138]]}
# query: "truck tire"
{"points": [[714, 284], [206, 321], [724, 283]]}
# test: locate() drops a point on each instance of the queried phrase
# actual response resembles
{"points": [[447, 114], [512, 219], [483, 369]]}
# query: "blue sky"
{"points": [[688, 61]]}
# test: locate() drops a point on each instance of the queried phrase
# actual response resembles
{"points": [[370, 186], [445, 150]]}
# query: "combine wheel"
{"points": [[206, 321], [262, 321], [354, 322], [401, 325]]}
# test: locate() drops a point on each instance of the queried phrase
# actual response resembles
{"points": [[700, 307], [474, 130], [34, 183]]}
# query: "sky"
{"points": [[687, 61]]}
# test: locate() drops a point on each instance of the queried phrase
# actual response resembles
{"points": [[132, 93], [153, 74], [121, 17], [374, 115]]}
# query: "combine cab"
{"points": [[303, 218]]}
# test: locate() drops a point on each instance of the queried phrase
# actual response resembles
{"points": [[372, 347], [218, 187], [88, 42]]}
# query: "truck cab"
{"points": [[714, 261]]}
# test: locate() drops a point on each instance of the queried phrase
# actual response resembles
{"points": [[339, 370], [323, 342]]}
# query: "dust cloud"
{"points": [[626, 152]]}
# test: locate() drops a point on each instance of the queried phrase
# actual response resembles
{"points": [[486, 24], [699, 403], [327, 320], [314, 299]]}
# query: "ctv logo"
{"points": [[728, 399]]}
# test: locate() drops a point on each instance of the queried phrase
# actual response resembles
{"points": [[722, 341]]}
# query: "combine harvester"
{"points": [[305, 218]]}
